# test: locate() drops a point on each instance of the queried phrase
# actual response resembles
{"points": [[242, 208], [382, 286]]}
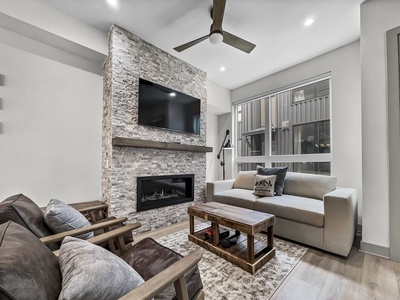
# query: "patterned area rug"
{"points": [[224, 281]]}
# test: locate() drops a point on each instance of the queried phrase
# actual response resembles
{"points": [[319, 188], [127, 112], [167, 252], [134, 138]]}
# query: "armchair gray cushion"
{"points": [[91, 272], [61, 217]]}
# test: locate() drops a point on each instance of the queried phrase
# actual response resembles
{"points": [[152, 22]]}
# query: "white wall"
{"points": [[218, 102], [50, 139], [212, 141], [377, 16], [344, 65], [49, 19]]}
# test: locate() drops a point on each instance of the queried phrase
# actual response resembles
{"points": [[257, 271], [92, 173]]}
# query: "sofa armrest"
{"points": [[340, 227], [214, 187]]}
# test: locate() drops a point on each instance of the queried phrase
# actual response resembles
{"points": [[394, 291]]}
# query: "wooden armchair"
{"points": [[31, 271], [22, 210]]}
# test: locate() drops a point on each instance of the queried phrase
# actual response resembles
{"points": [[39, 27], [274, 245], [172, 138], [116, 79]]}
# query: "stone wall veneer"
{"points": [[129, 59]]}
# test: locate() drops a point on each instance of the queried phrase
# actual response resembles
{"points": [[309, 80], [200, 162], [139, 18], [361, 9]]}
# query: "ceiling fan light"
{"points": [[216, 37]]}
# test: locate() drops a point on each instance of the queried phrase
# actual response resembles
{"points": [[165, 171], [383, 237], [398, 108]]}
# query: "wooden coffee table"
{"points": [[248, 253]]}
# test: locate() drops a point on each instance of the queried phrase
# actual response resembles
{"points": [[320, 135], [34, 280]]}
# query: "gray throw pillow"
{"points": [[91, 272], [61, 217], [280, 173]]}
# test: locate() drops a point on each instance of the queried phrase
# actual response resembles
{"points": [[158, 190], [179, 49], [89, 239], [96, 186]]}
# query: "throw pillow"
{"points": [[280, 173], [91, 272], [244, 180], [264, 185], [61, 217]]}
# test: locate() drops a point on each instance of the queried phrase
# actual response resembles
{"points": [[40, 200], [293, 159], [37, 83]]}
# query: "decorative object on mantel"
{"points": [[128, 142], [223, 280], [224, 146]]}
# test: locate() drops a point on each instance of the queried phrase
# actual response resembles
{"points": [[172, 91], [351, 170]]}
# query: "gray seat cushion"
{"points": [[238, 197], [303, 210]]}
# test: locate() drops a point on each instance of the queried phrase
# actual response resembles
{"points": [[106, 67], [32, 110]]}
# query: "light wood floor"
{"points": [[320, 275]]}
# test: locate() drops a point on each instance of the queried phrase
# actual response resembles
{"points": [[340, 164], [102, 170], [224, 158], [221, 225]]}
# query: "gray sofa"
{"points": [[312, 210]]}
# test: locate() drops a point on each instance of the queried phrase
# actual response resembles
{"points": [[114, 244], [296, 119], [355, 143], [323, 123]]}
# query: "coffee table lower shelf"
{"points": [[236, 254]]}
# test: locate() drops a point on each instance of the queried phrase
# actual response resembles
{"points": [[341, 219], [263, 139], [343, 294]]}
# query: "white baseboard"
{"points": [[375, 249]]}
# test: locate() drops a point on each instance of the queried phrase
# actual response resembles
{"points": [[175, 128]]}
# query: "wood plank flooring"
{"points": [[320, 275]]}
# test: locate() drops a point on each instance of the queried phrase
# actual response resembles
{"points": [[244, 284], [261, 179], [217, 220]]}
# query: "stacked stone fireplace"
{"points": [[124, 164]]}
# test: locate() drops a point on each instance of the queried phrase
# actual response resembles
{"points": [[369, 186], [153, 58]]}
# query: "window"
{"points": [[251, 128], [286, 128]]}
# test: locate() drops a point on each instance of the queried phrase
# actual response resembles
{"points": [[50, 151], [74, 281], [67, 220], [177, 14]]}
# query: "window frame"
{"points": [[268, 159]]}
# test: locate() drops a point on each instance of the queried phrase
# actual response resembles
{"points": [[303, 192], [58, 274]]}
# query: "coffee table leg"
{"points": [[270, 235], [250, 248], [191, 224], [215, 228]]}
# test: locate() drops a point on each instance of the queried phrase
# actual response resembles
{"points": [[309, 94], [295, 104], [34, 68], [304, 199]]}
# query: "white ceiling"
{"points": [[276, 27]]}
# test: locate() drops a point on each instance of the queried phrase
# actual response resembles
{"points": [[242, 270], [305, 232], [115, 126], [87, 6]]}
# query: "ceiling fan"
{"points": [[217, 35]]}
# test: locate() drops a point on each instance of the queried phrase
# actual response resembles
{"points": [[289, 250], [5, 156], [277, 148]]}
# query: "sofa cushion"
{"points": [[91, 272], [245, 180], [238, 197], [280, 173], [61, 217], [303, 210], [149, 258], [22, 210], [309, 185], [28, 269], [264, 185]]}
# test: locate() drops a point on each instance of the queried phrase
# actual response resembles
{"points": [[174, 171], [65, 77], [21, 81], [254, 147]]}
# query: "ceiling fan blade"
{"points": [[190, 44], [237, 42], [218, 14]]}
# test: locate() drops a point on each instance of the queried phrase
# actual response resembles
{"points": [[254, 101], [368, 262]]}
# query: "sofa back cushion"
{"points": [[309, 185], [245, 180], [28, 269]]}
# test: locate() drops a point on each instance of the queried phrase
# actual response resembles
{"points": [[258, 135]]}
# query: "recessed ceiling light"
{"points": [[308, 22], [222, 69], [172, 94], [113, 2]]}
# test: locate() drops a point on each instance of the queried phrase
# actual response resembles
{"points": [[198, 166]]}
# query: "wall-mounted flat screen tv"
{"points": [[163, 107]]}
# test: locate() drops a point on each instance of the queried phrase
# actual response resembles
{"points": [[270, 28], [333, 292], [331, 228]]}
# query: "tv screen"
{"points": [[163, 107]]}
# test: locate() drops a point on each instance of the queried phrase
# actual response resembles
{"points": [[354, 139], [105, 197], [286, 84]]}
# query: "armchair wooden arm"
{"points": [[173, 274], [60, 236], [109, 236]]}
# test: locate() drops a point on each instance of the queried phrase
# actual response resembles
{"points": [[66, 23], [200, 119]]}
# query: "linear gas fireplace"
{"points": [[159, 191]]}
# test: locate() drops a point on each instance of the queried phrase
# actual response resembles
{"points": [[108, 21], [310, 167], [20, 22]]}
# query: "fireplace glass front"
{"points": [[159, 191]]}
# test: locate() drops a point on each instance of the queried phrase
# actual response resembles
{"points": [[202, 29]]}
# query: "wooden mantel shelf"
{"points": [[127, 142]]}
